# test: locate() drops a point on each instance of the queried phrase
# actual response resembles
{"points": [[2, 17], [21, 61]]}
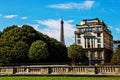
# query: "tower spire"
{"points": [[62, 32]]}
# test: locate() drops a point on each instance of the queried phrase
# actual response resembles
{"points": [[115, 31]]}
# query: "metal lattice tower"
{"points": [[62, 32]]}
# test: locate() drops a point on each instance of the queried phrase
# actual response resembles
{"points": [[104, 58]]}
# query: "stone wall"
{"points": [[60, 70]]}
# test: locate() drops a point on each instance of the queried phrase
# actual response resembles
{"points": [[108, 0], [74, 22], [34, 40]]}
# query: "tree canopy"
{"points": [[15, 43], [38, 51], [116, 57], [75, 52]]}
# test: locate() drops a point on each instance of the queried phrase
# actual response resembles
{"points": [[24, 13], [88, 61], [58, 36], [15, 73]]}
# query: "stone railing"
{"points": [[60, 70]]}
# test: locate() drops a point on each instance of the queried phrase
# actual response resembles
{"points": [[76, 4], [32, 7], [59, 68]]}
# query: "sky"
{"points": [[45, 15]]}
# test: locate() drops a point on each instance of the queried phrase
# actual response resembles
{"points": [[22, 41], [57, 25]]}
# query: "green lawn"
{"points": [[56, 78]]}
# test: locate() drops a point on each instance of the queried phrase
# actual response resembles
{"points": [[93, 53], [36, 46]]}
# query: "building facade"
{"points": [[96, 39]]}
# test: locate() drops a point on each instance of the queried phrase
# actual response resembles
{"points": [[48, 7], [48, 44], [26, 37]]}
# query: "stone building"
{"points": [[96, 39]]}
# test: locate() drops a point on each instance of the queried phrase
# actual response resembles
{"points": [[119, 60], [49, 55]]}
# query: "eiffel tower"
{"points": [[62, 32]]}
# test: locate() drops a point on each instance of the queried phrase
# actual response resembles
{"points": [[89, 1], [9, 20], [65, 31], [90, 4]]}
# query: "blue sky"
{"points": [[45, 15]]}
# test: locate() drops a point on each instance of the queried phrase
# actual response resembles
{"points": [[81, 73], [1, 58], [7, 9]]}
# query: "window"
{"points": [[98, 34], [99, 45], [98, 40], [88, 23], [99, 54], [90, 29], [88, 42], [86, 53], [79, 41], [92, 55], [78, 36], [81, 30], [118, 45], [97, 28]]}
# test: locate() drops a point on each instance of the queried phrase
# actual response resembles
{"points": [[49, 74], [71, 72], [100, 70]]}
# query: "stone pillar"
{"points": [[96, 54], [102, 55], [90, 43]]}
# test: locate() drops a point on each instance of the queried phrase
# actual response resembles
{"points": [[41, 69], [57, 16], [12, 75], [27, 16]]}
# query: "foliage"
{"points": [[116, 57], [75, 52], [38, 51], [13, 52], [15, 43], [5, 55], [28, 34], [19, 52], [57, 51]]}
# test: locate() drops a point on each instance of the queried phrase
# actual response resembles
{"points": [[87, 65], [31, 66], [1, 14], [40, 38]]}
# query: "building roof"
{"points": [[90, 19]]}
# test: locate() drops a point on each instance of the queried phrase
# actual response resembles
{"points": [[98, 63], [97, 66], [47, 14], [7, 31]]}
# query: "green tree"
{"points": [[38, 51], [75, 52], [9, 28], [57, 51], [28, 34], [13, 52], [25, 33], [116, 57], [10, 34], [19, 52], [5, 56], [14, 38]]}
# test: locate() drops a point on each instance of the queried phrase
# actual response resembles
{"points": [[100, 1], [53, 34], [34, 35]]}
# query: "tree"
{"points": [[13, 52], [25, 33], [75, 52], [19, 52], [10, 34], [57, 51], [15, 42], [28, 34], [9, 28], [116, 57], [38, 51], [5, 56]]}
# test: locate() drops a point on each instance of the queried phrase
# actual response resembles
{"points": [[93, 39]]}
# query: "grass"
{"points": [[56, 78]]}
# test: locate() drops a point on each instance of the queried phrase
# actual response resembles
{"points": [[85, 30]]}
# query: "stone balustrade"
{"points": [[60, 70]]}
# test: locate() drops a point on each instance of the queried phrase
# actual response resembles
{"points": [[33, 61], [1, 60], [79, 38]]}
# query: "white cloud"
{"points": [[52, 29], [24, 18], [10, 16], [51, 23], [83, 5], [117, 29]]}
